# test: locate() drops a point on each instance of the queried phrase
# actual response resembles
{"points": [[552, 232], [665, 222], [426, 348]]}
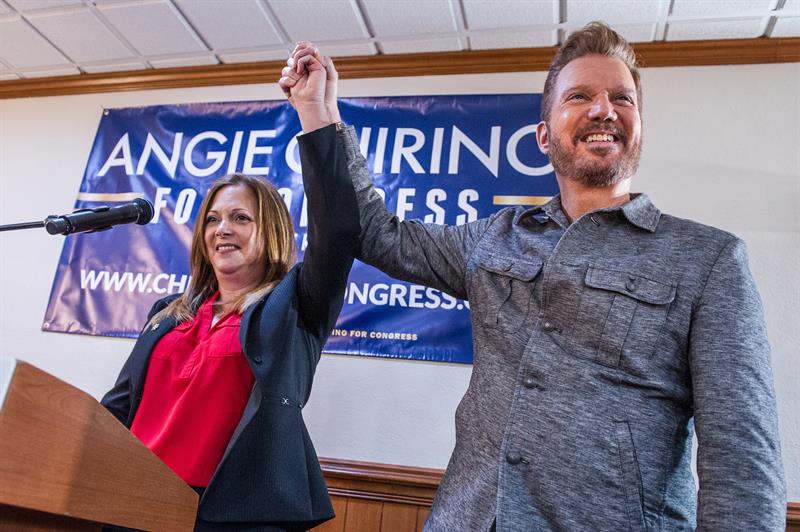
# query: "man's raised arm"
{"points": [[427, 254]]}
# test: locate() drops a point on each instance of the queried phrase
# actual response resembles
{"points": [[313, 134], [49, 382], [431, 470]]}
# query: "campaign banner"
{"points": [[442, 159]]}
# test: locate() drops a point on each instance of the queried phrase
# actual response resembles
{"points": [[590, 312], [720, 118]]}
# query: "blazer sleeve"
{"points": [[424, 253], [333, 229], [739, 458]]}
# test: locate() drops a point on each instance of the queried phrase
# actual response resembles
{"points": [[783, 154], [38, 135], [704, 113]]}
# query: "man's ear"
{"points": [[543, 137]]}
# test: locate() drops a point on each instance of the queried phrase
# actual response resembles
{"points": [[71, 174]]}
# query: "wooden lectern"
{"points": [[67, 464]]}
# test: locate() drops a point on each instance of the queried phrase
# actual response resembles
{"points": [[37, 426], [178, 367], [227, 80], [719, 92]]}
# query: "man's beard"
{"points": [[595, 173]]}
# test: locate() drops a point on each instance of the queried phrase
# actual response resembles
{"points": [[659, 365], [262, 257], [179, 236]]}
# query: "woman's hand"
{"points": [[309, 80]]}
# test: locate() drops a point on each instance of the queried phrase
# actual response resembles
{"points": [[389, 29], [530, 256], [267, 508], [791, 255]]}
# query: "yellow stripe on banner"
{"points": [[521, 200], [120, 196]]}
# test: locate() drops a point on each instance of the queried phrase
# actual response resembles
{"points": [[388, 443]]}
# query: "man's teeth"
{"points": [[600, 138]]}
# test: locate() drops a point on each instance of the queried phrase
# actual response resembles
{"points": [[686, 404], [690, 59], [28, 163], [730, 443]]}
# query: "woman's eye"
{"points": [[211, 219], [242, 218]]}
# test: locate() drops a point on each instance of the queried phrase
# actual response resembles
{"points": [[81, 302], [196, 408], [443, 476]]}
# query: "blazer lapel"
{"points": [[143, 349]]}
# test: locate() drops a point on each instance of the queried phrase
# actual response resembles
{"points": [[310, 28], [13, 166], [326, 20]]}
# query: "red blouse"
{"points": [[196, 388]]}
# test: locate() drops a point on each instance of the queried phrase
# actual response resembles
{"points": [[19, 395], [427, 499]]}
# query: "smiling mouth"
{"points": [[226, 247], [599, 137]]}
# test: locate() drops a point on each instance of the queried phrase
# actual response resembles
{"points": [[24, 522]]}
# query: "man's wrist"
{"points": [[333, 113]]}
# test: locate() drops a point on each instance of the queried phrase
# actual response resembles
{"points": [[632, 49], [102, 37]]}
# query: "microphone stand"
{"points": [[25, 225], [43, 223]]}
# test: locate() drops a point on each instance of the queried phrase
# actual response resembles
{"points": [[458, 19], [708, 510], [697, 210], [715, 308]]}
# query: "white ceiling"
{"points": [[63, 37]]}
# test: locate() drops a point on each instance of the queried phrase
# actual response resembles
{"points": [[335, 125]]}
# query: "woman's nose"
{"points": [[222, 228]]}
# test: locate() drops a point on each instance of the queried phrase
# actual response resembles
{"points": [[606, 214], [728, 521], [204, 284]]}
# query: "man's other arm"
{"points": [[427, 254], [739, 460]]}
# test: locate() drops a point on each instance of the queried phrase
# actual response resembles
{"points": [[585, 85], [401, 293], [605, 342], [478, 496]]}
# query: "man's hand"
{"points": [[309, 80]]}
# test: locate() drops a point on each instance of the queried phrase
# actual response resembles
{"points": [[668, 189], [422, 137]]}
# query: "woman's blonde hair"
{"points": [[275, 243]]}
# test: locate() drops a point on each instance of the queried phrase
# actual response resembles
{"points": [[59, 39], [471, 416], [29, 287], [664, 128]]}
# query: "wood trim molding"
{"points": [[793, 514], [381, 482], [658, 54]]}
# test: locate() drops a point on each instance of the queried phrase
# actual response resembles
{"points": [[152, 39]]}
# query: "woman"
{"points": [[217, 378]]}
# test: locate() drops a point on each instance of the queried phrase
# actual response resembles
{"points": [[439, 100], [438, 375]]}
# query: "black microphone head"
{"points": [[145, 209]]}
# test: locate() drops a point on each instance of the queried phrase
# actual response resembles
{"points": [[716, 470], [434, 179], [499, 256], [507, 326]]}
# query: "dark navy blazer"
{"points": [[269, 477]]}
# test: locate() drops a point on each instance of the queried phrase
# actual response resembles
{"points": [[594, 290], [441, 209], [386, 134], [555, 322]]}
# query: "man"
{"points": [[604, 331]]}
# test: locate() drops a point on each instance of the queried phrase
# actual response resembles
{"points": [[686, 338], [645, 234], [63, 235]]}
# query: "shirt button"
{"points": [[548, 326], [257, 358], [529, 382], [630, 284], [513, 458]]}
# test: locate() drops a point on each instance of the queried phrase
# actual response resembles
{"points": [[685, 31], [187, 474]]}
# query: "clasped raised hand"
{"points": [[309, 80]]}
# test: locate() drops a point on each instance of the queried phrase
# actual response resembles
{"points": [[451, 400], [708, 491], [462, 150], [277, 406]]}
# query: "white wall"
{"points": [[720, 146]]}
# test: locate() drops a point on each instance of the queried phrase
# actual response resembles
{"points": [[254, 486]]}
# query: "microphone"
{"points": [[138, 211]]}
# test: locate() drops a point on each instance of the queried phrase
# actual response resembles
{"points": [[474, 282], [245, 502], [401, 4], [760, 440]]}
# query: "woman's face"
{"points": [[230, 237]]}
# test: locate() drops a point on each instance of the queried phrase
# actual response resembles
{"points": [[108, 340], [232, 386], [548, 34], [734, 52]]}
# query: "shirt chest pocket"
{"points": [[506, 289], [620, 316]]}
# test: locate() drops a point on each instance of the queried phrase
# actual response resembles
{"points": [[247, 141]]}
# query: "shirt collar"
{"points": [[544, 213], [639, 211]]}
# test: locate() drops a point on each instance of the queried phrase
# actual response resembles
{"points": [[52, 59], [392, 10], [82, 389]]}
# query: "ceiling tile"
{"points": [[485, 14], [631, 32], [637, 32], [115, 67], [152, 28], [720, 8], [67, 71], [715, 29], [252, 27], [23, 6], [319, 20], [449, 44], [4, 9], [614, 11], [791, 6], [23, 47], [80, 35], [411, 17], [346, 50], [517, 39], [184, 61], [249, 57], [786, 27]]}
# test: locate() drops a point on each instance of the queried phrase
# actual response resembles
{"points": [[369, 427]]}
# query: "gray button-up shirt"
{"points": [[599, 347]]}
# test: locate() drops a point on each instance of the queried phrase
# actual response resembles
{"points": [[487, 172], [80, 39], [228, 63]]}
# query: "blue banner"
{"points": [[443, 159]]}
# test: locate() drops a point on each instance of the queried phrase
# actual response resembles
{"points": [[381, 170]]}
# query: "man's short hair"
{"points": [[594, 38]]}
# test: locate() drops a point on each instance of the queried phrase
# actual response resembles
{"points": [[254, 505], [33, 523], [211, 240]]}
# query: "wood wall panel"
{"points": [[369, 497], [363, 516], [422, 515], [336, 524], [396, 516], [654, 54], [793, 517]]}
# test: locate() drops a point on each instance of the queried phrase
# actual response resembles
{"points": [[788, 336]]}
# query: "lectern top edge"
{"points": [[7, 366]]}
